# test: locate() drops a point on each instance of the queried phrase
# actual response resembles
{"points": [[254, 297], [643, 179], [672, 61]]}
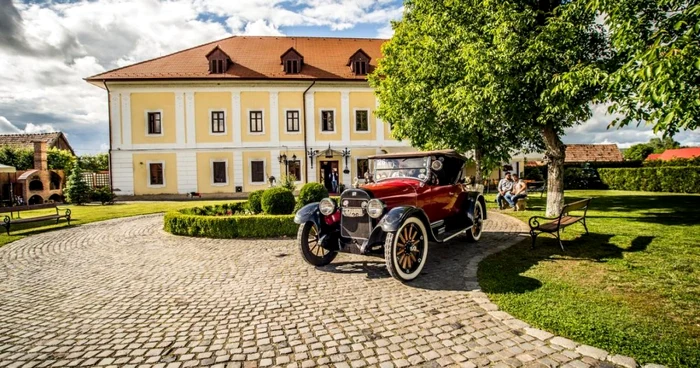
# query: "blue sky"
{"points": [[48, 47]]}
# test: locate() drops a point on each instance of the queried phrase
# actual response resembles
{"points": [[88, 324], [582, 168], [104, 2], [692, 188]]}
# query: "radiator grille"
{"points": [[356, 227]]}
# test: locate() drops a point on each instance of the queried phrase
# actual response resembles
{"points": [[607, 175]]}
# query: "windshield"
{"points": [[387, 168]]}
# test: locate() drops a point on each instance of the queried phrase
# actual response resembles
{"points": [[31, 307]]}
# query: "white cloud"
{"points": [[7, 127], [385, 32], [261, 28]]}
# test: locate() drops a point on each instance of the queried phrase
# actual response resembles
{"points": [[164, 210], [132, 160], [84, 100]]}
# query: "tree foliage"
{"points": [[658, 82], [638, 152], [77, 191], [94, 163]]}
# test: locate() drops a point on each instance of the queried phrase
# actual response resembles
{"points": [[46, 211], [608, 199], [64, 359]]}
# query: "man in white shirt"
{"points": [[505, 186], [519, 191]]}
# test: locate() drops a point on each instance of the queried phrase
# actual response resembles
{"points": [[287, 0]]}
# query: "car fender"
{"points": [[393, 219], [472, 198], [307, 213]]}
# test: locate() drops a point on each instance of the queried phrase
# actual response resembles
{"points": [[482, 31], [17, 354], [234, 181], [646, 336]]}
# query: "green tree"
{"points": [[638, 152], [19, 158], [76, 191], [659, 145], [493, 76], [94, 163], [58, 159], [658, 42]]}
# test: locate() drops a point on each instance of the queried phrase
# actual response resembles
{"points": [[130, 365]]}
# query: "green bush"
{"points": [[254, 201], [277, 201], [310, 193], [229, 227], [76, 191], [653, 179], [676, 162], [289, 182], [103, 195], [581, 178]]}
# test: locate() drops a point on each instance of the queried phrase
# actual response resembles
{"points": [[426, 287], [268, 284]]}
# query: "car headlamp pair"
{"points": [[375, 207]]}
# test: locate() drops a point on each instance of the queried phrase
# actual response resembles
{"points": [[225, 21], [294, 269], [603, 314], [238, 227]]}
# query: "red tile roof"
{"points": [[580, 153], [256, 58], [26, 140], [676, 153]]}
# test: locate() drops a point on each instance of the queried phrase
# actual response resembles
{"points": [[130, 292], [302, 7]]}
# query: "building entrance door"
{"points": [[328, 171]]}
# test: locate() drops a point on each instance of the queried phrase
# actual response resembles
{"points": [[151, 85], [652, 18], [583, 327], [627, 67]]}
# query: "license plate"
{"points": [[353, 212]]}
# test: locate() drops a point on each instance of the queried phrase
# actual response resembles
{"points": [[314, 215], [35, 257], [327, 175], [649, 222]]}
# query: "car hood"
{"points": [[394, 192]]}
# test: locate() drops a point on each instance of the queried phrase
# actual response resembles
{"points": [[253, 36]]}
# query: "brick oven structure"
{"points": [[36, 186]]}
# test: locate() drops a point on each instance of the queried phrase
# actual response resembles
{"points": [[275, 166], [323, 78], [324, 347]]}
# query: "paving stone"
{"points": [[253, 303], [624, 361]]}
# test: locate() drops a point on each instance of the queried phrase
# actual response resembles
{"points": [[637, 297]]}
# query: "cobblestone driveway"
{"points": [[124, 293]]}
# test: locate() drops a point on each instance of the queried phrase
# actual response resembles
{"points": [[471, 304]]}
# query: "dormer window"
{"points": [[219, 61], [292, 61], [359, 63]]}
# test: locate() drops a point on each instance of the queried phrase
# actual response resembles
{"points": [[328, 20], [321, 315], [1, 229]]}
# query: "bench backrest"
{"points": [[581, 205], [28, 207]]}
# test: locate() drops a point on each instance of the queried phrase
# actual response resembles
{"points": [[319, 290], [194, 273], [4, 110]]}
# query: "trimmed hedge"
{"points": [[653, 179], [695, 161], [254, 201], [277, 201], [226, 209], [229, 227], [310, 193]]}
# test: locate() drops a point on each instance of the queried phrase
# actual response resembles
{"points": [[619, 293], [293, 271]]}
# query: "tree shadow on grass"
{"points": [[502, 273]]}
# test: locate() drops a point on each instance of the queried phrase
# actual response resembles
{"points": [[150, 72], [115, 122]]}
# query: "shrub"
{"points": [[76, 191], [229, 227], [695, 161], [653, 179], [310, 193], [277, 201], [103, 195], [289, 182], [254, 201], [581, 178]]}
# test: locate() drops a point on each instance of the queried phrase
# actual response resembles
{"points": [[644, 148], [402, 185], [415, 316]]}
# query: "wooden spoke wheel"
{"points": [[474, 234], [310, 246], [406, 250]]}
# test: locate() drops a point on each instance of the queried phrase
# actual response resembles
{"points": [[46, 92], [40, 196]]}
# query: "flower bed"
{"points": [[228, 221]]}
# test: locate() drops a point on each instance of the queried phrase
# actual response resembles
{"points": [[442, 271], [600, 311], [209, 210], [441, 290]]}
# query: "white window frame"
{"points": [[211, 122], [250, 172], [287, 126], [211, 169], [369, 122], [355, 175], [162, 126], [320, 121], [148, 168], [262, 111]]}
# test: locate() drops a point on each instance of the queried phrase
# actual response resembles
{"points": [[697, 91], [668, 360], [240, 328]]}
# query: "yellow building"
{"points": [[223, 117]]}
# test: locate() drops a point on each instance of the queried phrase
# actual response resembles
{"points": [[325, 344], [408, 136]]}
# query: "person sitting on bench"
{"points": [[505, 186], [519, 191]]}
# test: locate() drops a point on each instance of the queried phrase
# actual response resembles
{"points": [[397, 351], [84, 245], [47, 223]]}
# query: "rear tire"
{"points": [[474, 234], [310, 246], [406, 250]]}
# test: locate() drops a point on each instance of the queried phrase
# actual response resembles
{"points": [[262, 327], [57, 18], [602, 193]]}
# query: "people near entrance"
{"points": [[505, 186], [334, 180], [519, 191]]}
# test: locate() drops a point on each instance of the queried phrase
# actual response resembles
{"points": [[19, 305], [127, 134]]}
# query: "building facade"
{"points": [[224, 117]]}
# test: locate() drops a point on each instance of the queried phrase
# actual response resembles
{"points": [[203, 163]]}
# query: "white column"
{"points": [[345, 117], [238, 169], [115, 119], [236, 119], [180, 118], [186, 172], [126, 120], [310, 120], [274, 119], [380, 129], [122, 171], [276, 169], [189, 120]]}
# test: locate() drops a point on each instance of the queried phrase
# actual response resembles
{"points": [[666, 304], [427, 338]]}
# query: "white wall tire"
{"points": [[406, 251], [474, 233]]}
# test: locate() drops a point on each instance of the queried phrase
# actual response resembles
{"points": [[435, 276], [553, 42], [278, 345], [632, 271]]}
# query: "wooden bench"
{"points": [[557, 224], [10, 220]]}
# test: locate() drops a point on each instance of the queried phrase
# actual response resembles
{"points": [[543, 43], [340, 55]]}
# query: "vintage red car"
{"points": [[415, 198]]}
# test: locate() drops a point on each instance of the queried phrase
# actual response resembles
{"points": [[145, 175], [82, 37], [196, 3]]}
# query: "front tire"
{"points": [[474, 234], [310, 246], [406, 250]]}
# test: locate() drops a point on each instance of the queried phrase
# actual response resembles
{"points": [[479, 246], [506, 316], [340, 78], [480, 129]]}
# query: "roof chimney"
{"points": [[40, 156]]}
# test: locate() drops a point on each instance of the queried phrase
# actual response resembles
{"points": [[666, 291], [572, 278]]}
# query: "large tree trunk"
{"points": [[555, 153], [477, 161]]}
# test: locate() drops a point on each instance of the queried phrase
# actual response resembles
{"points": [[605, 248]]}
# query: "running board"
{"points": [[456, 233]]}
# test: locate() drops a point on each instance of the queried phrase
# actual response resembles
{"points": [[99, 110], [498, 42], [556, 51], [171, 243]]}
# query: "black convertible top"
{"points": [[448, 153]]}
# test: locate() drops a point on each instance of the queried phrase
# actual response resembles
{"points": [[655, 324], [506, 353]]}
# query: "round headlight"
{"points": [[326, 206], [375, 208]]}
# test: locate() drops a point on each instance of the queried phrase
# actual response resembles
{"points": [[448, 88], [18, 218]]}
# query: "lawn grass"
{"points": [[631, 287], [95, 212]]}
